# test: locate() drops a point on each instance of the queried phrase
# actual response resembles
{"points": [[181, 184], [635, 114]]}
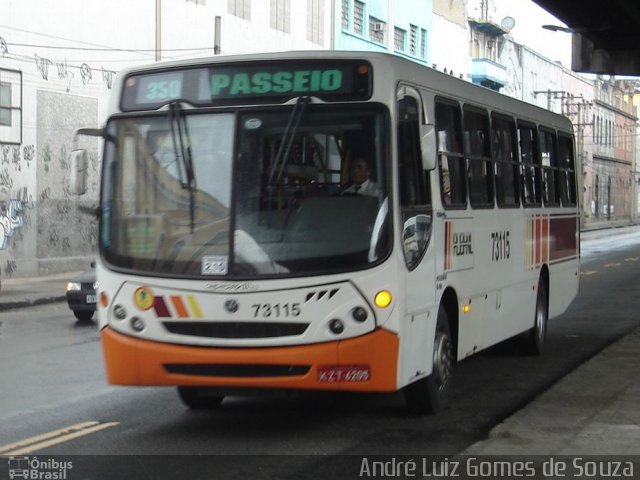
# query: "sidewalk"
{"points": [[25, 292], [594, 410]]}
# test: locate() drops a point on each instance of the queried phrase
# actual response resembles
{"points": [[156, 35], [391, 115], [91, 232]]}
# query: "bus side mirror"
{"points": [[428, 146], [78, 177], [79, 162]]}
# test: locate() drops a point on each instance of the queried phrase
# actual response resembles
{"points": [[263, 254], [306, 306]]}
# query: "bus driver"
{"points": [[361, 183]]}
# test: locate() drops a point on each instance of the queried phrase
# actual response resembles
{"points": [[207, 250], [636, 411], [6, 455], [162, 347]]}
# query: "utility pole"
{"points": [[557, 94], [582, 118], [158, 30], [216, 36]]}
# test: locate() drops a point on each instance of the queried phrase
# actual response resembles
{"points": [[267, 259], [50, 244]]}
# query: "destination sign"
{"points": [[249, 82]]}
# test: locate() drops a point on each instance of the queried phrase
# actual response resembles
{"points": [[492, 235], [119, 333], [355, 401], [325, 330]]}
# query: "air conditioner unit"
{"points": [[377, 26]]}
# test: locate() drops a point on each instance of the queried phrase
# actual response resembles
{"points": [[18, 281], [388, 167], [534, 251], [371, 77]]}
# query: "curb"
{"points": [[31, 303]]}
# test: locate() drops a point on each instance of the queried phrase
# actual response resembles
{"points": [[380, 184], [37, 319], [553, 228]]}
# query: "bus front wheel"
{"points": [[431, 394], [196, 398]]}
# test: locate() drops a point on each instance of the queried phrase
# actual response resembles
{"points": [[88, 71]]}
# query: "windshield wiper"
{"points": [[182, 150]]}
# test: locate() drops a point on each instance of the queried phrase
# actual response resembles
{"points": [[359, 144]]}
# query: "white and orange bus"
{"points": [[234, 256]]}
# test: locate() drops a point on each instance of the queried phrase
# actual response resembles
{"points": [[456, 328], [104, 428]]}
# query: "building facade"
{"points": [[613, 139], [450, 42], [399, 27], [57, 65]]}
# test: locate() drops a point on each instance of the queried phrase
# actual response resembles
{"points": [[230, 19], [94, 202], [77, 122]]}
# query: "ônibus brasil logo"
{"points": [[32, 468]]}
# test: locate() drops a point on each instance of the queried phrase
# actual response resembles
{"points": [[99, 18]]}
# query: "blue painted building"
{"points": [[402, 27]]}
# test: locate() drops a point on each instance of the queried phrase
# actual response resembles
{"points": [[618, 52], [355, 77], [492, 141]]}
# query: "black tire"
{"points": [[83, 315], [196, 398], [431, 394], [537, 336]]}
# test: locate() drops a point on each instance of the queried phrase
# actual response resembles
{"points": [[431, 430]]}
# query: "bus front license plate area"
{"points": [[343, 373]]}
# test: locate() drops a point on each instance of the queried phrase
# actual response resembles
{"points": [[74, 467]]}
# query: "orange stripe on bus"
{"points": [[179, 306], [534, 242]]}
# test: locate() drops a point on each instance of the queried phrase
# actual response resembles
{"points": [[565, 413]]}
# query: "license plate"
{"points": [[91, 299], [343, 373]]}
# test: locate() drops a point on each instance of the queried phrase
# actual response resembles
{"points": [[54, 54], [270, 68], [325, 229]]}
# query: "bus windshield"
{"points": [[245, 194]]}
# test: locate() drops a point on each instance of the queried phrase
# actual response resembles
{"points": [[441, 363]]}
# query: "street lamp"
{"points": [[558, 28]]}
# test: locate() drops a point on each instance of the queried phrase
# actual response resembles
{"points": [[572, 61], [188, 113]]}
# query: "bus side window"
{"points": [[506, 166], [478, 151], [531, 189], [567, 171], [549, 167], [453, 177]]}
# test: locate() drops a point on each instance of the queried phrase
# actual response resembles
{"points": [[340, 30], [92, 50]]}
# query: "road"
{"points": [[52, 378]]}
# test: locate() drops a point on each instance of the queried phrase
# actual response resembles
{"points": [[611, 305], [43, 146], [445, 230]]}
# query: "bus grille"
{"points": [[220, 370], [236, 329]]}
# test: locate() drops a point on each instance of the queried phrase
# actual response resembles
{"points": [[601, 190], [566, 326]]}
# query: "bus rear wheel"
{"points": [[536, 337], [197, 398], [431, 394]]}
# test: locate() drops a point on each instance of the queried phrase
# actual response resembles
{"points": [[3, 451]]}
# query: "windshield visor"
{"points": [[303, 194]]}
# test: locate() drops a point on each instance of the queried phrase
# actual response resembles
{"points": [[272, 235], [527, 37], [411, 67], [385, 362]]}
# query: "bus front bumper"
{"points": [[366, 363]]}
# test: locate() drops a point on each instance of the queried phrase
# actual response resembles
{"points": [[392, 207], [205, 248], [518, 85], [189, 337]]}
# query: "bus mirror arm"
{"points": [[428, 146], [93, 211]]}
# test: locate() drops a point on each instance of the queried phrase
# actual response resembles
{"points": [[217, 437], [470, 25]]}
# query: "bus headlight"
{"points": [[119, 312], [137, 324], [336, 326], [359, 314]]}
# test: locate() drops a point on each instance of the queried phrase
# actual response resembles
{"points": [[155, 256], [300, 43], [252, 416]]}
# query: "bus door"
{"points": [[416, 224]]}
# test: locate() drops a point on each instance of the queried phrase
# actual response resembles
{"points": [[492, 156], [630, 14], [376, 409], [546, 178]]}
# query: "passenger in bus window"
{"points": [[360, 176]]}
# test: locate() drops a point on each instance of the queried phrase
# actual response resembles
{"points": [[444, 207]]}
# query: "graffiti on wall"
{"points": [[13, 159], [10, 219], [17, 156]]}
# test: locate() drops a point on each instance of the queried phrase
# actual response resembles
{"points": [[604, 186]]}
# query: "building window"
{"points": [[358, 17], [399, 39], [315, 21], [376, 30], [345, 14], [5, 104], [280, 15], [423, 43], [413, 40], [240, 8], [10, 106]]}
